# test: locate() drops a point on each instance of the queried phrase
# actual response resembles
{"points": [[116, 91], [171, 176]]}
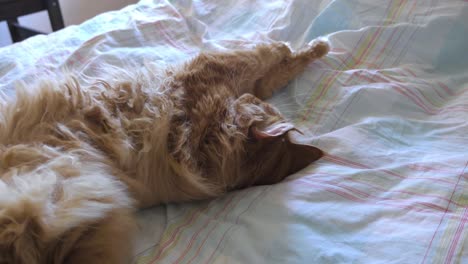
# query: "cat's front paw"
{"points": [[318, 48]]}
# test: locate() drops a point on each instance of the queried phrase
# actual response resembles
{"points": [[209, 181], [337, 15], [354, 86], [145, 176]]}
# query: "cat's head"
{"points": [[247, 142], [268, 153]]}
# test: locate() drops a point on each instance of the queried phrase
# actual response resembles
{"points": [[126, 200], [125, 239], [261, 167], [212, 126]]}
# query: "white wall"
{"points": [[73, 12], [4, 35], [76, 11]]}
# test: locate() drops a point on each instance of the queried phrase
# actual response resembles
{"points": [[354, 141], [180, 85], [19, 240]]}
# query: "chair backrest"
{"points": [[10, 10]]}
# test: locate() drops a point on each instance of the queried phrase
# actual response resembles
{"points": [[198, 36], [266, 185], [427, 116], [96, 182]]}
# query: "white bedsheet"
{"points": [[389, 105]]}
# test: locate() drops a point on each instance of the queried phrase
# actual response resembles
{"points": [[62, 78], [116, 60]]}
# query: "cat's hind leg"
{"points": [[64, 211], [288, 68]]}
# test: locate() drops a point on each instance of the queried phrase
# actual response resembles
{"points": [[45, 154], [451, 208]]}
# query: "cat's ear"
{"points": [[271, 131]]}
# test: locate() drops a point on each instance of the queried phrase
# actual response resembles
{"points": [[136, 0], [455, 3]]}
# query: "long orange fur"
{"points": [[75, 162]]}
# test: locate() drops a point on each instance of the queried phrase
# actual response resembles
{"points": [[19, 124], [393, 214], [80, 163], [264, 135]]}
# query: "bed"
{"points": [[389, 105]]}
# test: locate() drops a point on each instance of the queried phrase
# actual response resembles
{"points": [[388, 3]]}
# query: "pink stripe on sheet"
{"points": [[354, 164], [443, 216], [261, 194], [369, 48], [455, 242], [342, 181], [174, 235], [208, 221], [329, 81], [361, 58], [411, 94], [368, 196], [344, 161], [402, 204], [419, 166]]}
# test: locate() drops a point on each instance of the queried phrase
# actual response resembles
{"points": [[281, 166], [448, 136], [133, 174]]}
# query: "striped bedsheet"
{"points": [[389, 105]]}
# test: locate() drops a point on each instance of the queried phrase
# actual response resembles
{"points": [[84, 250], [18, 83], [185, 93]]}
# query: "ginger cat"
{"points": [[75, 162]]}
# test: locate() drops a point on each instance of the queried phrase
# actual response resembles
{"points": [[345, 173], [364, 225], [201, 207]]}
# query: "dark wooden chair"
{"points": [[10, 10]]}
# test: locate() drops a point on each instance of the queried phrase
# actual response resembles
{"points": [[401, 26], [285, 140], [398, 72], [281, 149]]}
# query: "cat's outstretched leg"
{"points": [[259, 71], [288, 68]]}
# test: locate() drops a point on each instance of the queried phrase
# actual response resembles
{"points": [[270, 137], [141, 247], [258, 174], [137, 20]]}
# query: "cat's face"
{"points": [[261, 151], [270, 152]]}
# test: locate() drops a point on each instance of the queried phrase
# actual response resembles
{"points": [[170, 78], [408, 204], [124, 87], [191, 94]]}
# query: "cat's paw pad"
{"points": [[318, 48]]}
